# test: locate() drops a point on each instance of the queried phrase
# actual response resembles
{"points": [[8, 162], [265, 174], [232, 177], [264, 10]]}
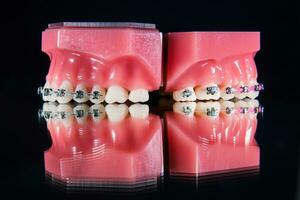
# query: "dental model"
{"points": [[100, 151], [207, 143], [212, 65], [98, 62]]}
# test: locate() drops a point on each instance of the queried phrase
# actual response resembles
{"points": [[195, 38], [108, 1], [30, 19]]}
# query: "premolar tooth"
{"points": [[210, 109], [48, 93], [186, 108], [186, 94], [241, 106], [253, 93], [97, 94], [98, 112], [253, 105], [65, 113], [208, 92], [64, 92], [81, 112], [227, 107], [138, 95], [139, 110], [80, 94], [49, 110], [116, 112], [242, 91], [116, 94], [227, 92]]}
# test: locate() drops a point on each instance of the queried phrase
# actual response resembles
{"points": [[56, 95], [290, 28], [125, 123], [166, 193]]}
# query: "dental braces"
{"points": [[245, 89], [78, 94]]}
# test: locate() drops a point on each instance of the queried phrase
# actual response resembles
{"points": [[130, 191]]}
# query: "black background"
{"points": [[24, 67]]}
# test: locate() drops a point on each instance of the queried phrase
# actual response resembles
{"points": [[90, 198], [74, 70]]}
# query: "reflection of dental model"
{"points": [[99, 62], [212, 65], [204, 145], [103, 151]]}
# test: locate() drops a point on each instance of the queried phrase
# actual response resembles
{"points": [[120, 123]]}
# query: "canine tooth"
{"points": [[97, 94], [208, 92], [186, 94], [65, 113], [139, 110], [227, 92], [49, 110], [116, 112], [186, 108], [210, 109], [241, 106], [138, 95], [48, 93], [116, 94], [80, 94], [63, 93], [253, 94], [98, 112], [227, 107], [81, 112]]}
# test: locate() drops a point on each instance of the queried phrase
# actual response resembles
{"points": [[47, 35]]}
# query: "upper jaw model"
{"points": [[110, 62], [212, 65]]}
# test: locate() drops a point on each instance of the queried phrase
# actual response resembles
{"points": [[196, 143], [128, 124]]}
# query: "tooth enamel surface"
{"points": [[252, 104], [80, 95], [138, 95], [253, 94], [210, 109], [208, 92], [49, 109], [48, 93], [116, 94], [139, 111], [186, 108], [81, 112], [241, 106], [115, 112], [186, 94], [240, 95], [224, 94], [97, 94], [227, 107], [63, 93], [98, 112], [65, 112]]}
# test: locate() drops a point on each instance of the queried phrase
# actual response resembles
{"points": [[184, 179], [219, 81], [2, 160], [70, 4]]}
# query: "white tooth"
{"points": [[63, 93], [238, 94], [98, 112], [203, 93], [186, 108], [116, 112], [138, 95], [49, 110], [139, 110], [241, 106], [81, 94], [97, 95], [224, 95], [116, 94], [253, 94], [227, 107], [210, 109], [252, 104], [81, 113], [65, 113], [186, 94], [48, 93]]}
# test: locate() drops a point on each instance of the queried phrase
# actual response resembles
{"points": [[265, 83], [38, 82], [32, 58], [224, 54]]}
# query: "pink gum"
{"points": [[199, 58], [104, 56]]}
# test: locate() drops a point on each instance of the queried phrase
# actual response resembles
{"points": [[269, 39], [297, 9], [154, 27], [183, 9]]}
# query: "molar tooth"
{"points": [[138, 95], [81, 112], [208, 92], [80, 94], [227, 92], [116, 112], [186, 94], [48, 93], [65, 113], [241, 106], [49, 110], [253, 105], [139, 110], [210, 109], [98, 112], [227, 107], [64, 92], [186, 108], [116, 94], [97, 94]]}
